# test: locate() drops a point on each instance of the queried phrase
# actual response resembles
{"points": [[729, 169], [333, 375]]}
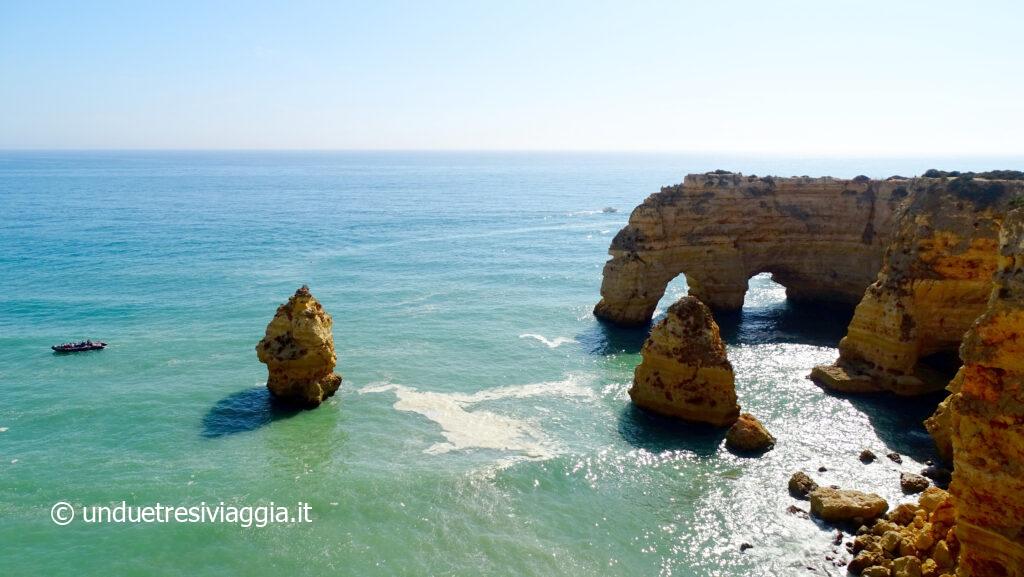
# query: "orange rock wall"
{"points": [[933, 284], [987, 422]]}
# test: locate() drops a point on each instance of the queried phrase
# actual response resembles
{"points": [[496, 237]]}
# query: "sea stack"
{"points": [[684, 372], [298, 350]]}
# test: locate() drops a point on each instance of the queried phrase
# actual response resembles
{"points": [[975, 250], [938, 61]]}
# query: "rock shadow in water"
{"points": [[655, 433], [805, 323], [245, 411], [605, 338], [899, 421]]}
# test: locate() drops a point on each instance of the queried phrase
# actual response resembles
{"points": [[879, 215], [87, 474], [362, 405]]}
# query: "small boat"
{"points": [[609, 209], [79, 347]]}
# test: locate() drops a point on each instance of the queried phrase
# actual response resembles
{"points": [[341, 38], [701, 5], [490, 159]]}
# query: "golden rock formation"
{"points": [[821, 238], [747, 434], [684, 372], [298, 350], [910, 540], [841, 505], [933, 284], [940, 424], [987, 423]]}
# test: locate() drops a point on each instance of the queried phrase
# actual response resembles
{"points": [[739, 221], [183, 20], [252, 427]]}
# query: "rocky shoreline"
{"points": [[937, 264]]}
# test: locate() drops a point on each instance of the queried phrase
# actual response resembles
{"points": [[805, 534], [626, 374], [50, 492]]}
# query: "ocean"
{"points": [[483, 426]]}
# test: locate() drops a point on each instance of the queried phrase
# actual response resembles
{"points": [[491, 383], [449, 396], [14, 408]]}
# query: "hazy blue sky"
{"points": [[811, 77]]}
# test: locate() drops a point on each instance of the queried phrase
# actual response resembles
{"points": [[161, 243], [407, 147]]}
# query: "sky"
{"points": [[821, 77]]}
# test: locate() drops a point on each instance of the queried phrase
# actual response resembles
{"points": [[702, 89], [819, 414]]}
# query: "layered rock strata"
{"points": [[685, 372], [987, 423], [821, 238], [933, 284], [298, 349]]}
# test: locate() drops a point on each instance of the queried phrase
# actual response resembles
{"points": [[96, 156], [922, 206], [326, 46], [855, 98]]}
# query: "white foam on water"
{"points": [[482, 429], [551, 343]]}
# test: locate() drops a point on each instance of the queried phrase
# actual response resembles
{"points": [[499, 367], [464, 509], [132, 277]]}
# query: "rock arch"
{"points": [[821, 238]]}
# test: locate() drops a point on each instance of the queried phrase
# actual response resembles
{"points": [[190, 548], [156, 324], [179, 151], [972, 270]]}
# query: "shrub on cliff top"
{"points": [[982, 194], [990, 175]]}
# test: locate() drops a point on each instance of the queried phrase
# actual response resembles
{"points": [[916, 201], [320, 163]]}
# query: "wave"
{"points": [[552, 343], [465, 429]]}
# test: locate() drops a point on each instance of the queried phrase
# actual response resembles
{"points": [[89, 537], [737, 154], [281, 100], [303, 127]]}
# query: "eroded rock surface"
{"points": [[933, 284], [685, 372], [987, 423], [298, 349], [821, 238]]}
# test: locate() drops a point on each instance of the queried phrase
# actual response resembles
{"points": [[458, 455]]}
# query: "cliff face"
{"points": [[933, 284], [987, 423], [684, 372], [298, 350], [821, 238]]}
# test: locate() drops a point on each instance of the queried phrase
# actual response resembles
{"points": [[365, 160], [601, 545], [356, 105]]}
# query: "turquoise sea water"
{"points": [[483, 426]]}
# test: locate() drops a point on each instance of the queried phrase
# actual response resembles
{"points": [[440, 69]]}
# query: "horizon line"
{"points": [[689, 152]]}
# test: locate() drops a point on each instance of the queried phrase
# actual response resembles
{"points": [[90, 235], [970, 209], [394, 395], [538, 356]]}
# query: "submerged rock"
{"points": [[797, 511], [940, 475], [839, 505], [684, 372], [298, 349], [747, 434]]}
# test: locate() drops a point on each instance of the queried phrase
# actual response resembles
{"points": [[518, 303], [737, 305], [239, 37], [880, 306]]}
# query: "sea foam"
{"points": [[551, 343], [465, 429]]}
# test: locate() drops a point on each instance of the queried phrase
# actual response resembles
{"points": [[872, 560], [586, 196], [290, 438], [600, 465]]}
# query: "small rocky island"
{"points": [[298, 349]]}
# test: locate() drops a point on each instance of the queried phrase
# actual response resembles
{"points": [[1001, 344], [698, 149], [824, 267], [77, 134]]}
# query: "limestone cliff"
{"points": [[684, 372], [934, 282], [987, 423], [939, 425], [298, 350], [821, 238]]}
